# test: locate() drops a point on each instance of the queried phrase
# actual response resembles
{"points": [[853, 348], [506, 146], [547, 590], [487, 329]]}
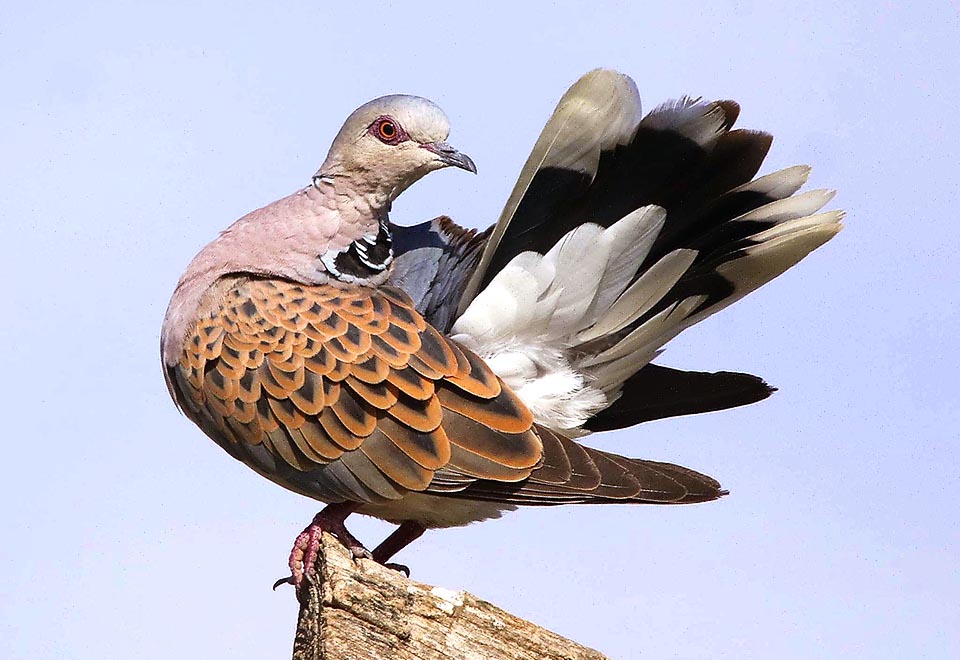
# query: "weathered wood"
{"points": [[359, 610]]}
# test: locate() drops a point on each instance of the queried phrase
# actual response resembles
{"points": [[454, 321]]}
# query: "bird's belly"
{"points": [[433, 511]]}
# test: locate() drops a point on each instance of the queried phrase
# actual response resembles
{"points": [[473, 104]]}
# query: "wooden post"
{"points": [[359, 610]]}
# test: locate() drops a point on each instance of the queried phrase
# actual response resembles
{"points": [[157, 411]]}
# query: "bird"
{"points": [[435, 376]]}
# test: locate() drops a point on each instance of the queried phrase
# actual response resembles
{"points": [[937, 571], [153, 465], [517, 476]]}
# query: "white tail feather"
{"points": [[789, 208], [565, 329], [539, 307], [642, 295], [609, 369], [650, 336], [642, 227], [779, 184], [535, 308], [692, 118]]}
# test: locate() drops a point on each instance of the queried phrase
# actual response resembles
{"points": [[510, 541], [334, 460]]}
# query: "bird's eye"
{"points": [[387, 130]]}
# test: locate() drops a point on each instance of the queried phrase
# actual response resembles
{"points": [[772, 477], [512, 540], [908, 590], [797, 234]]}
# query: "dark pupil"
{"points": [[387, 130]]}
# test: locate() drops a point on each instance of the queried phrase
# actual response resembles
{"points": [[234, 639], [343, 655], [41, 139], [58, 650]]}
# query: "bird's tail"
{"points": [[621, 233]]}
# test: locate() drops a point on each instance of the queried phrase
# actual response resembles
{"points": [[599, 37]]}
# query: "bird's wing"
{"points": [[572, 473], [348, 394], [433, 261]]}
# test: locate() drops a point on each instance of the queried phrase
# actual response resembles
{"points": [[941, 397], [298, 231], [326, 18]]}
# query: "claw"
{"points": [[285, 580]]}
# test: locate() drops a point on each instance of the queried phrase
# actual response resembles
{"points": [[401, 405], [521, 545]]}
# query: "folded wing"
{"points": [[348, 394]]}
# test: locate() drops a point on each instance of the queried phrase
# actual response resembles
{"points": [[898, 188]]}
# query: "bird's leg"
{"points": [[401, 537], [307, 546]]}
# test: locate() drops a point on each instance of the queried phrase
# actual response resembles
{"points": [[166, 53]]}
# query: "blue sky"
{"points": [[132, 133]]}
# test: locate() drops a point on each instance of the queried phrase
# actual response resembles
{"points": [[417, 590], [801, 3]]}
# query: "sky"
{"points": [[131, 133]]}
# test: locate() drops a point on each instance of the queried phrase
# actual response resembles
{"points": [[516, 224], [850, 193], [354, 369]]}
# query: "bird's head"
{"points": [[389, 143]]}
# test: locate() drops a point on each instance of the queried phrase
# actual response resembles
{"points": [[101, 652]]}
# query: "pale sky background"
{"points": [[130, 135]]}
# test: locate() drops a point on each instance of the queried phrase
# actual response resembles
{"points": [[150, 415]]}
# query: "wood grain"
{"points": [[359, 610]]}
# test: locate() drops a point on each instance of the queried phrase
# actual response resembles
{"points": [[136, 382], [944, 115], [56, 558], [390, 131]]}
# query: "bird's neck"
{"points": [[354, 198], [366, 189], [363, 217]]}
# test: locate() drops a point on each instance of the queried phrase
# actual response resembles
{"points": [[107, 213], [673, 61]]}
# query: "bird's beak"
{"points": [[450, 156]]}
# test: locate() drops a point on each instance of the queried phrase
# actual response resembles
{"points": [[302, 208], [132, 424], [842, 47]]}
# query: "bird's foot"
{"points": [[306, 548]]}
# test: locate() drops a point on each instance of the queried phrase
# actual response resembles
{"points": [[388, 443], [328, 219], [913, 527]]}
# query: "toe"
{"points": [[359, 552]]}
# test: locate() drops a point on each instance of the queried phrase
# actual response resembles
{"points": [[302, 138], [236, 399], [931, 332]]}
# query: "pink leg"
{"points": [[303, 556], [401, 537]]}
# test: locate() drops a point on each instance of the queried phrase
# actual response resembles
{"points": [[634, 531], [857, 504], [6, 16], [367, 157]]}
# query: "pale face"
{"points": [[390, 142]]}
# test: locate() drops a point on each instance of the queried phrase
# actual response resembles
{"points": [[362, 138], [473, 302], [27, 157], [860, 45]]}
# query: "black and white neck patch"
{"points": [[364, 258]]}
